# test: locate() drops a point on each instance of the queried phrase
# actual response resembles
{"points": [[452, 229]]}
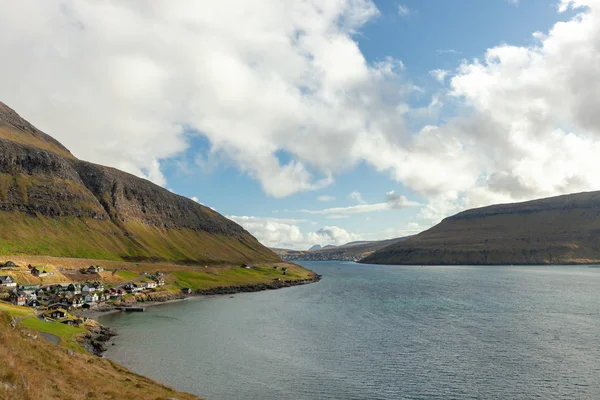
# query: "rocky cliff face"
{"points": [[52, 203], [557, 230]]}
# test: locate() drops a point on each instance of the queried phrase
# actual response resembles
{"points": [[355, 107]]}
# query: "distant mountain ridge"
{"points": [[51, 203], [352, 251], [556, 230]]}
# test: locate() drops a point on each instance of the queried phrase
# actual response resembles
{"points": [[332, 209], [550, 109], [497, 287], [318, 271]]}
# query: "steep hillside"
{"points": [[32, 368], [54, 204], [556, 230], [353, 251]]}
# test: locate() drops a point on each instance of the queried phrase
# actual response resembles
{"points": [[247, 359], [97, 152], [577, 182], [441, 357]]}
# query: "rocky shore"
{"points": [[256, 287]]}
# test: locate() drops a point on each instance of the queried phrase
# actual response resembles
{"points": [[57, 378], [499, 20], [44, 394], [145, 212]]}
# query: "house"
{"points": [[187, 290], [7, 281], [17, 298], [10, 264], [91, 298], [88, 288], [59, 313], [160, 281], [33, 303], [30, 295], [246, 266], [94, 270], [149, 285], [103, 297], [75, 288], [77, 301], [133, 288], [99, 286], [40, 273], [158, 273]]}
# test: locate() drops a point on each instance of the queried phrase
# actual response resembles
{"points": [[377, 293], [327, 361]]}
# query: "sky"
{"points": [[318, 121]]}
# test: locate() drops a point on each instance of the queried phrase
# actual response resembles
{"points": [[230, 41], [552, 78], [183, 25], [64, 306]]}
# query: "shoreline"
{"points": [[95, 341]]}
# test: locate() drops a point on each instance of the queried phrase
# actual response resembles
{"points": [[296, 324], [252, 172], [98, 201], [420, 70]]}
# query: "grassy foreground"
{"points": [[32, 368]]}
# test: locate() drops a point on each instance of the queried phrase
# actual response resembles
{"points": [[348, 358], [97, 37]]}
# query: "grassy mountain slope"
{"points": [[54, 204], [556, 230]]}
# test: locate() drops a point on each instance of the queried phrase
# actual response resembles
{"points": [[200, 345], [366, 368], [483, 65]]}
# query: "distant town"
{"points": [[60, 301]]}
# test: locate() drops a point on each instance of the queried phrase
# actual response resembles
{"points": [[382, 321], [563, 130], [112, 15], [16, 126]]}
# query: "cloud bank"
{"points": [[282, 90]]}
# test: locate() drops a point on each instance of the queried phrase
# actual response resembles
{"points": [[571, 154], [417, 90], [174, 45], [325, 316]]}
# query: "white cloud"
{"points": [[404, 11], [285, 233], [332, 235], [448, 51], [195, 199], [393, 201], [118, 81], [326, 198], [356, 197], [439, 74], [338, 216]]}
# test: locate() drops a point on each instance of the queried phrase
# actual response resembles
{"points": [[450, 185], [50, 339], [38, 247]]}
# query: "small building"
{"points": [[99, 286], [18, 298], [187, 290], [149, 285], [160, 281], [59, 313], [30, 294], [94, 269], [75, 288], [133, 288], [88, 288], [33, 303], [91, 298], [90, 305], [10, 264], [246, 266], [39, 272], [7, 281], [77, 301]]}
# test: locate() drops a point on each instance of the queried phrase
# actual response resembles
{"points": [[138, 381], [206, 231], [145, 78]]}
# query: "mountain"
{"points": [[557, 230], [51, 203], [315, 247], [353, 251]]}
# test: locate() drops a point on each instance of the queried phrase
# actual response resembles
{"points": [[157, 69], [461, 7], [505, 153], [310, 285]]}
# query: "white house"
{"points": [[7, 281], [88, 289], [149, 285], [91, 298]]}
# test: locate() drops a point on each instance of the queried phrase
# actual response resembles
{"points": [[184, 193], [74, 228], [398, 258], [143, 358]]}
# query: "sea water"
{"points": [[380, 332]]}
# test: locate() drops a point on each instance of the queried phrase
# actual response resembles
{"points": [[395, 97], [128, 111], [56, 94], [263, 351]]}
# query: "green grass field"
{"points": [[197, 279], [65, 332], [16, 311]]}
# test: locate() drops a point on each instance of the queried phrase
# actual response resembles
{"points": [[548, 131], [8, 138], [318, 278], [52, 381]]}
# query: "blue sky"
{"points": [[433, 35], [319, 122]]}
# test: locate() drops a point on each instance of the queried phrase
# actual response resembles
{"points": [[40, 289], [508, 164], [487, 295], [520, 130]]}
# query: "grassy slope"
{"points": [[178, 275], [560, 230], [90, 238], [31, 368]]}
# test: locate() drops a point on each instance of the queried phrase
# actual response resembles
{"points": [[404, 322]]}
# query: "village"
{"points": [[61, 302]]}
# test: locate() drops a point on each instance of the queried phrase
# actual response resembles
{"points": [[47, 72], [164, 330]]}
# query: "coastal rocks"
{"points": [[257, 287], [95, 340]]}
